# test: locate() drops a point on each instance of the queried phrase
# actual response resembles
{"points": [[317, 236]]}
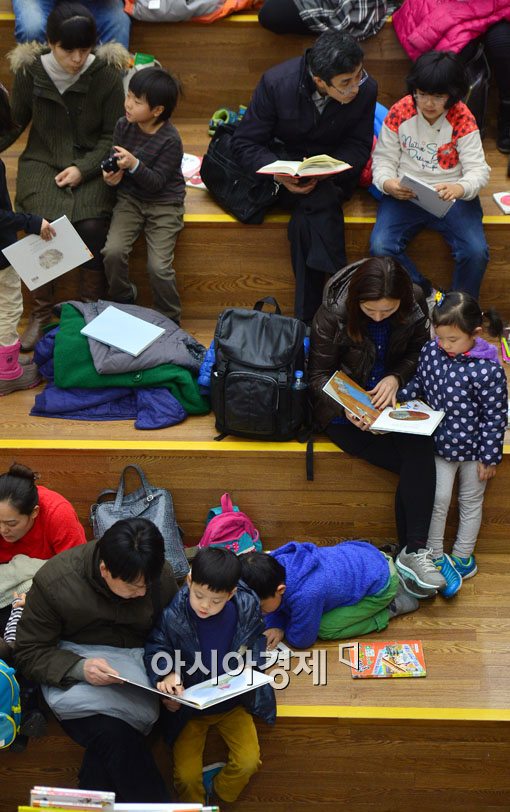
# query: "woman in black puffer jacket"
{"points": [[371, 327]]}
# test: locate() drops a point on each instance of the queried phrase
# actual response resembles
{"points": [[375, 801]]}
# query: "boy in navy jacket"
{"points": [[211, 617]]}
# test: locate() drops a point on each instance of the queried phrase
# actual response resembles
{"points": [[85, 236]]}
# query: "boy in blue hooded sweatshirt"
{"points": [[336, 592]]}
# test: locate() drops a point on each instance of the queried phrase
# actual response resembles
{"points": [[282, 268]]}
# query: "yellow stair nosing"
{"points": [[250, 446], [394, 713], [222, 217]]}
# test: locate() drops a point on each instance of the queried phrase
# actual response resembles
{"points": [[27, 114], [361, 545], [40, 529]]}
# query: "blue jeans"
{"points": [[112, 21], [398, 221]]}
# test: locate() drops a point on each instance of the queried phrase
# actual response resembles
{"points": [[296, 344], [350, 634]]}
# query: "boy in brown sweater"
{"points": [[145, 165]]}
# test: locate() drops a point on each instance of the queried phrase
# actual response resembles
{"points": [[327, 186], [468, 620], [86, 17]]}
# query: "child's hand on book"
{"points": [[485, 472], [449, 191], [392, 187], [385, 393], [171, 684], [273, 637]]}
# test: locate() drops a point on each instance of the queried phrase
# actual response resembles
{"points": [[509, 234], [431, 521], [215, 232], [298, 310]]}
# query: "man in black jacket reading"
{"points": [[320, 103]]}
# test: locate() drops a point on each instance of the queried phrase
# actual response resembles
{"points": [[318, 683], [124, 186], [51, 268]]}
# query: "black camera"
{"points": [[110, 164]]}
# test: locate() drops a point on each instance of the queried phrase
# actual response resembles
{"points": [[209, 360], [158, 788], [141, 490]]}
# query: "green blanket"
{"points": [[74, 367]]}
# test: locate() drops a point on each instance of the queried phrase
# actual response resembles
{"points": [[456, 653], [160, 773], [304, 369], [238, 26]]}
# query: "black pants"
{"points": [[282, 17], [117, 759], [412, 458], [497, 48], [93, 233], [317, 246]]}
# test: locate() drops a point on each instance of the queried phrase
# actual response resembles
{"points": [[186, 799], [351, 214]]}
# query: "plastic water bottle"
{"points": [[306, 349], [299, 383]]}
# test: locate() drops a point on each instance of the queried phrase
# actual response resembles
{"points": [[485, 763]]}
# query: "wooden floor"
{"points": [[316, 755]]}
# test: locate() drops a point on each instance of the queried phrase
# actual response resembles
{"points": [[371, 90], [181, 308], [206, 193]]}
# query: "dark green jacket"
{"points": [[71, 129], [69, 600]]}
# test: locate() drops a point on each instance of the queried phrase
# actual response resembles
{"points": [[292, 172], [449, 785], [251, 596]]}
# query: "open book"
{"points": [[426, 196], [212, 691], [397, 658], [316, 165], [411, 417]]}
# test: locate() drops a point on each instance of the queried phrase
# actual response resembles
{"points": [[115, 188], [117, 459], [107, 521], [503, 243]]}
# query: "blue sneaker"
{"points": [[208, 775], [453, 579], [466, 567]]}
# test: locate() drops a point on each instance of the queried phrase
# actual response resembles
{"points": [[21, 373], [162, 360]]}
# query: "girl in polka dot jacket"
{"points": [[459, 372]]}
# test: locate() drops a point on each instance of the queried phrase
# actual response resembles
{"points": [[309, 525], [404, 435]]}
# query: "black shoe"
{"points": [[19, 744], [33, 724], [503, 136]]}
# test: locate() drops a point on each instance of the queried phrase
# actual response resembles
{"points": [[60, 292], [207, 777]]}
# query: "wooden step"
{"points": [[221, 262], [348, 498], [446, 738], [219, 64]]}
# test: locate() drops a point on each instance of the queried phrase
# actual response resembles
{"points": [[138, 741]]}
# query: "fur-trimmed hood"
{"points": [[25, 54]]}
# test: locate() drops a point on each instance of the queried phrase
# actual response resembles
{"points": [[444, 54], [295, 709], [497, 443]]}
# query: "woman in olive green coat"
{"points": [[73, 98]]}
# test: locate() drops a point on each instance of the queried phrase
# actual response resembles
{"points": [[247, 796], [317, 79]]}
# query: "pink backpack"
{"points": [[229, 528]]}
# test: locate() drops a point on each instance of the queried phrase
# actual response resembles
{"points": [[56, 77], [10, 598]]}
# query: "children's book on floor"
{"points": [[77, 799], [411, 417], [190, 167], [394, 658], [316, 165], [211, 691], [503, 201]]}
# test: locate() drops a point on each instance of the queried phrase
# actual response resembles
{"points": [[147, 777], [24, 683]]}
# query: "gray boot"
{"points": [[42, 301]]}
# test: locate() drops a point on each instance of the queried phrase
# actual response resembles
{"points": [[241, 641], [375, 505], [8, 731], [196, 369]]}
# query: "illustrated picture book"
{"points": [[121, 330], [411, 417], [211, 691], [395, 658], [316, 165], [426, 196], [37, 261], [503, 201], [190, 167]]}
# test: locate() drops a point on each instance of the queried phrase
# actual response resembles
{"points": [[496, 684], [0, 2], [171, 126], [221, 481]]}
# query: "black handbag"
{"points": [[243, 194]]}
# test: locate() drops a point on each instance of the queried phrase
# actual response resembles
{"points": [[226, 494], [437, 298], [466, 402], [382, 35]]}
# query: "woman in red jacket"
{"points": [[34, 521]]}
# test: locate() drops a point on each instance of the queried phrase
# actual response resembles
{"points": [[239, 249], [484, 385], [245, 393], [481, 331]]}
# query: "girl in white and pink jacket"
{"points": [[431, 135]]}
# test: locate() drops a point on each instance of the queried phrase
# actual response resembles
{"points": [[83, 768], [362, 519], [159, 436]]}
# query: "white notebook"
{"points": [[426, 196], [122, 331]]}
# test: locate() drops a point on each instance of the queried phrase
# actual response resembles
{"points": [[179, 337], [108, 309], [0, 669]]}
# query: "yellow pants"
{"points": [[238, 731]]}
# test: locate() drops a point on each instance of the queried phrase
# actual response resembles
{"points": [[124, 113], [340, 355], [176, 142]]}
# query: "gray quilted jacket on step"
{"points": [[175, 346]]}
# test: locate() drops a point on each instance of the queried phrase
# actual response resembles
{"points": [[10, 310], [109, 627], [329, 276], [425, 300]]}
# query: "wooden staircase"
{"points": [[442, 742]]}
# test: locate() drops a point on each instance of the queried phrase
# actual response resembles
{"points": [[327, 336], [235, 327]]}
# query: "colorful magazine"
{"points": [[396, 658]]}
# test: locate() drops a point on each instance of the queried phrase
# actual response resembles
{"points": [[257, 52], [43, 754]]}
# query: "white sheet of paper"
{"points": [[38, 261]]}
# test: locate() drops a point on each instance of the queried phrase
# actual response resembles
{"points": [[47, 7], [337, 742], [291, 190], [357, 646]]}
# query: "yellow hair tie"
{"points": [[439, 298]]}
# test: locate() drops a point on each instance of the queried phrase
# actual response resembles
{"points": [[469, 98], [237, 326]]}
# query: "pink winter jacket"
{"points": [[445, 25]]}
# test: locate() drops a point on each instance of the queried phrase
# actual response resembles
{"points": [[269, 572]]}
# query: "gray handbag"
{"points": [[147, 502]]}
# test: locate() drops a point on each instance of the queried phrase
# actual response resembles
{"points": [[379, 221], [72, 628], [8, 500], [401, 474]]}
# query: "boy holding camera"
{"points": [[145, 165]]}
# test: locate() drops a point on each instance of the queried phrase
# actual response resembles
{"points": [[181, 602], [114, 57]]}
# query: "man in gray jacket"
{"points": [[106, 593]]}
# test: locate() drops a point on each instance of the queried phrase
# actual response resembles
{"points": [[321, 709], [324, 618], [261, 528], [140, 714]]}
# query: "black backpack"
{"points": [[244, 194], [257, 355]]}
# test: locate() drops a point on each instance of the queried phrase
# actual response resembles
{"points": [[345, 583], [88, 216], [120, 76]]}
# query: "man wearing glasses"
{"points": [[320, 103]]}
